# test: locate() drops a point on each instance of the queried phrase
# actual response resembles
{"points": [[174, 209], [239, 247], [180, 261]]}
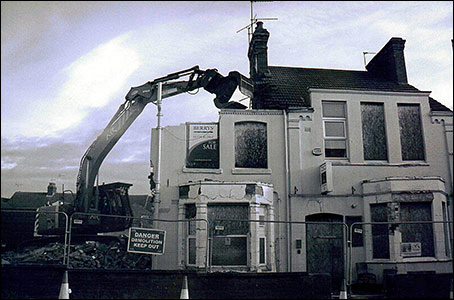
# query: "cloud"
{"points": [[6, 164], [29, 164], [69, 101], [92, 80]]}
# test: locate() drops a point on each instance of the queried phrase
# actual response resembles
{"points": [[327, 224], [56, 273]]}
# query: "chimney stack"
{"points": [[51, 189], [389, 63], [258, 51]]}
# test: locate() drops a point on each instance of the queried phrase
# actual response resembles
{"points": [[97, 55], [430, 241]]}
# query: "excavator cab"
{"points": [[113, 200]]}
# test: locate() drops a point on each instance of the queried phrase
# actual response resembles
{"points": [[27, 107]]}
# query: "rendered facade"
{"points": [[318, 146]]}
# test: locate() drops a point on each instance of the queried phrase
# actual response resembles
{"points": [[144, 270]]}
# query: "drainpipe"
{"points": [[287, 195]]}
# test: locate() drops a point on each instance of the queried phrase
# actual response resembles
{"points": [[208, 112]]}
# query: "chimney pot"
{"points": [[51, 189]]}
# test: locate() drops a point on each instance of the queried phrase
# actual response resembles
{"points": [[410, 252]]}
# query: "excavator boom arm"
{"points": [[136, 100]]}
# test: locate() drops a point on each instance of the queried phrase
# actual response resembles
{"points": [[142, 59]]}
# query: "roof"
{"points": [[33, 200], [437, 106], [289, 86], [29, 200]]}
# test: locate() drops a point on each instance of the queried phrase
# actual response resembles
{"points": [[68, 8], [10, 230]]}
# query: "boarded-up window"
{"points": [[380, 233], [232, 212], [229, 243], [374, 133], [418, 233], [410, 132], [229, 251], [251, 145]]}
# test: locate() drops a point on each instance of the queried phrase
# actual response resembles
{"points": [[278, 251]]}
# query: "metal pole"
{"points": [[158, 164], [157, 197]]}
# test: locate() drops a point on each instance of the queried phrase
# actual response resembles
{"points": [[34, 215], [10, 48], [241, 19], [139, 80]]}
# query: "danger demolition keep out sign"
{"points": [[146, 241]]}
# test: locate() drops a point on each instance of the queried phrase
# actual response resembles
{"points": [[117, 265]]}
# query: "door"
{"points": [[324, 247]]}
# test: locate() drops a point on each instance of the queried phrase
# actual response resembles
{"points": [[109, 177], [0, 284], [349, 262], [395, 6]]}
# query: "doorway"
{"points": [[324, 247]]}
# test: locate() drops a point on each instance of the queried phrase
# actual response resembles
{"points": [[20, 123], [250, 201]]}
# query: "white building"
{"points": [[318, 145]]}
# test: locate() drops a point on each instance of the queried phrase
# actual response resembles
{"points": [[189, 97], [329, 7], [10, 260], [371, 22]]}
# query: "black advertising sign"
{"points": [[203, 146]]}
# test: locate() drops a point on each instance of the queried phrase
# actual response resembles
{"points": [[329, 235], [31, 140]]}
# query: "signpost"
{"points": [[146, 241]]}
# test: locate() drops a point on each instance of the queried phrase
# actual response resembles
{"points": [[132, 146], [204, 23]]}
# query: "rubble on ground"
{"points": [[89, 254]]}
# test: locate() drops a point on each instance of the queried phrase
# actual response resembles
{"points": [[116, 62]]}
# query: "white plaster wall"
{"points": [[173, 172], [350, 172]]}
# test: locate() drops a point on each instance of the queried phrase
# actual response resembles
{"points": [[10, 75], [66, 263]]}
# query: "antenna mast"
{"points": [[254, 20]]}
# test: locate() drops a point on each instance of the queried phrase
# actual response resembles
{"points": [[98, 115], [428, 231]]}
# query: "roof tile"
{"points": [[289, 86]]}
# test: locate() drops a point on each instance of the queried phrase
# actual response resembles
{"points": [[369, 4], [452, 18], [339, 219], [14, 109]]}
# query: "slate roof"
{"points": [[437, 106], [289, 86], [30, 200], [33, 200]]}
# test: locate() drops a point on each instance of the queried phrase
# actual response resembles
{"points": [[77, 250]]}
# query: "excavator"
{"points": [[112, 199]]}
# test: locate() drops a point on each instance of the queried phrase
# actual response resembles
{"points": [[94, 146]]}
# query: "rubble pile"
{"points": [[89, 255]]}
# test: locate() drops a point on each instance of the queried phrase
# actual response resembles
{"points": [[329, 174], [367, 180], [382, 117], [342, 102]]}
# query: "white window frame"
{"points": [[337, 120]]}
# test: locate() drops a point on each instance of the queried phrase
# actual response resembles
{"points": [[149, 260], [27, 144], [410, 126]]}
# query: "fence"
{"points": [[328, 241], [397, 241], [104, 244], [19, 230], [233, 243]]}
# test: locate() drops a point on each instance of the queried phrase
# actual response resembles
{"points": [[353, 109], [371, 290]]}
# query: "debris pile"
{"points": [[87, 255]]}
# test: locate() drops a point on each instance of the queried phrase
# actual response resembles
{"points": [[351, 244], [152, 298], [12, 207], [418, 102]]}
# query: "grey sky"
{"points": [[66, 67]]}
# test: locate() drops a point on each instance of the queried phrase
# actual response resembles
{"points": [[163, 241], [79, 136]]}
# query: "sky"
{"points": [[66, 67]]}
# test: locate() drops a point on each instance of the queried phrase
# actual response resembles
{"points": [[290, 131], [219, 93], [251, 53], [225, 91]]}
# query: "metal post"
{"points": [[157, 199]]}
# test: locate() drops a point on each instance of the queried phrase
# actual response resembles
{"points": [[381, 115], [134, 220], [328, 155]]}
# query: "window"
{"points": [[251, 145], [374, 132], [334, 129], [445, 229], [380, 232], [229, 238], [410, 132], [262, 250], [190, 213], [418, 233], [262, 219]]}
